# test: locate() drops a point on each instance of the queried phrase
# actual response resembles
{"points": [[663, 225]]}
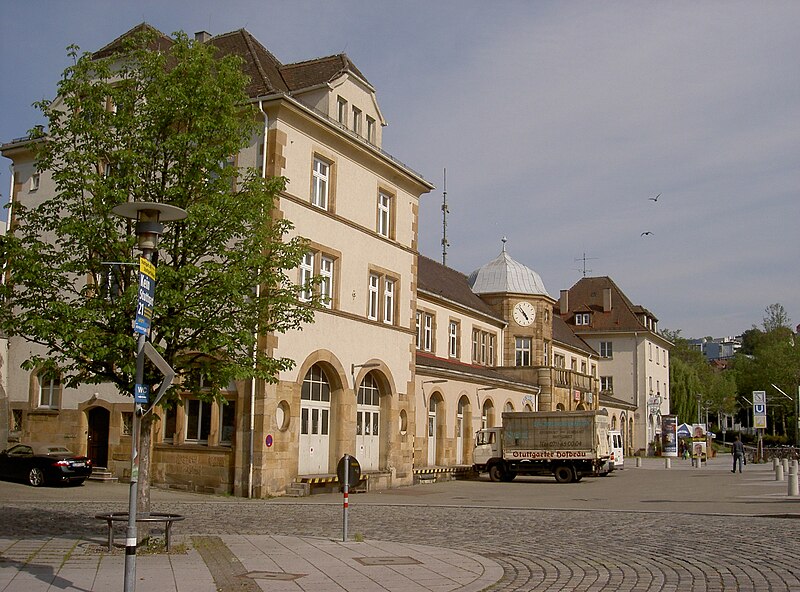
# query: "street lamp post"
{"points": [[148, 218]]}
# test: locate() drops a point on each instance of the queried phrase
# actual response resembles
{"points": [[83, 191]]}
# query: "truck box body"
{"points": [[567, 444]]}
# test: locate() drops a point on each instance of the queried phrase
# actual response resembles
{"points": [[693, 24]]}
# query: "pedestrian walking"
{"points": [[738, 454]]}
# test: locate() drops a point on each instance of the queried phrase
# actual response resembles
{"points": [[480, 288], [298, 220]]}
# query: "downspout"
{"points": [[636, 389], [8, 220], [251, 453]]}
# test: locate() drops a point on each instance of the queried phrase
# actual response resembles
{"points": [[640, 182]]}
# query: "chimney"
{"points": [[202, 36], [563, 302], [606, 299]]}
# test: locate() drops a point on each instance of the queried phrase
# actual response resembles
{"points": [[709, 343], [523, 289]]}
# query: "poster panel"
{"points": [[669, 435]]}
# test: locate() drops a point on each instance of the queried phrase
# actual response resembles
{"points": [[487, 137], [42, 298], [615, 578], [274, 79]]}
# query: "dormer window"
{"points": [[582, 318], [341, 115], [370, 130], [357, 120]]}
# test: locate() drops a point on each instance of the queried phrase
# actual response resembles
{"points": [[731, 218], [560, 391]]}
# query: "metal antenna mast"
{"points": [[584, 259], [445, 211]]}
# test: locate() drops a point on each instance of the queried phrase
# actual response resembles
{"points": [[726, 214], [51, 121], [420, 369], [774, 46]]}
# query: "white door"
{"points": [[367, 438], [368, 420], [314, 423], [315, 407]]}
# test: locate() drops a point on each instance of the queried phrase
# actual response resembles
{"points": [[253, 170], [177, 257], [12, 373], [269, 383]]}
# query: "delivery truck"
{"points": [[566, 444]]}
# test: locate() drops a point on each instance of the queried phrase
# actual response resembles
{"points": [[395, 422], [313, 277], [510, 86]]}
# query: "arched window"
{"points": [[315, 385], [49, 389]]}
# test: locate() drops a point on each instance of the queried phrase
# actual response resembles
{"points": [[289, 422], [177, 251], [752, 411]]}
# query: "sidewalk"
{"points": [[244, 564]]}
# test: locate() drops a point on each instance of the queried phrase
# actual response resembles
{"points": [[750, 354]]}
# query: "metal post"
{"points": [[131, 535], [346, 489]]}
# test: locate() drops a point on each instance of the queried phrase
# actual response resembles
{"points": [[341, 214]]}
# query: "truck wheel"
{"points": [[508, 476], [496, 473], [564, 474]]}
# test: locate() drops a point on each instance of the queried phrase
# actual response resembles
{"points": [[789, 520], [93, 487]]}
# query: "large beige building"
{"points": [[406, 360]]}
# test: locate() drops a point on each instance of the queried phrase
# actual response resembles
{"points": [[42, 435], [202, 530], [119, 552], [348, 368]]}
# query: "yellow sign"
{"points": [[760, 422]]}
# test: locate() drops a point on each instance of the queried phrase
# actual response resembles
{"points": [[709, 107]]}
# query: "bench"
{"points": [[167, 519]]}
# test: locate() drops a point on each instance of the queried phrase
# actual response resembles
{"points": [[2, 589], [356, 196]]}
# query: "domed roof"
{"points": [[503, 274]]}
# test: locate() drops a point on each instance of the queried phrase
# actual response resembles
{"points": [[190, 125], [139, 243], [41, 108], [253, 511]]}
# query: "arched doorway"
{"points": [[434, 403], [368, 415], [98, 419], [315, 410]]}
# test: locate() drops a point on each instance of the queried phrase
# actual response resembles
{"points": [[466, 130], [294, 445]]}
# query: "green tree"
{"points": [[157, 121]]}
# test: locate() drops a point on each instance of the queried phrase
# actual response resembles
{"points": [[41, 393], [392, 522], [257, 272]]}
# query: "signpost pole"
{"points": [[346, 488]]}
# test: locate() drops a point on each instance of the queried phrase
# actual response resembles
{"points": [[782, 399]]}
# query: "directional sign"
{"points": [[147, 291], [759, 397]]}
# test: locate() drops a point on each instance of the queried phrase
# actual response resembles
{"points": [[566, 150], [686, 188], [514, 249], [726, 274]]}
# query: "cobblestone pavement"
{"points": [[539, 549]]}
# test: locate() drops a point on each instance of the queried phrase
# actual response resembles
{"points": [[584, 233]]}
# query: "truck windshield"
{"points": [[482, 438]]}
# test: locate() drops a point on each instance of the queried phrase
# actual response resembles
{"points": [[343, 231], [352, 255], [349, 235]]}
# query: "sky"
{"points": [[556, 122]]}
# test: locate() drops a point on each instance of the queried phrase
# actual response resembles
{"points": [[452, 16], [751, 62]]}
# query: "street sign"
{"points": [[352, 467], [760, 422], [147, 291], [759, 409], [141, 393], [759, 397]]}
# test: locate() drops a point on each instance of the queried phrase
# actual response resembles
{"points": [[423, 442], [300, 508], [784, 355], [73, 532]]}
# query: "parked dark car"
{"points": [[41, 463]]}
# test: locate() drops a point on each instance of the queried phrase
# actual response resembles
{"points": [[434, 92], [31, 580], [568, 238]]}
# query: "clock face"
{"points": [[524, 313]]}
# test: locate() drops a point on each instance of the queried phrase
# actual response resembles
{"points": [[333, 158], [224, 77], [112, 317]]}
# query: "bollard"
{"points": [[698, 462], [638, 461], [794, 491], [785, 463], [667, 463], [779, 473], [774, 462], [794, 464]]}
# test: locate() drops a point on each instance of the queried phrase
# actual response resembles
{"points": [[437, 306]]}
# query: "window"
{"points": [[388, 301], [127, 423], [606, 351], [326, 282], [384, 214], [607, 384], [318, 272], [382, 303], [546, 353], [319, 183], [227, 423], [650, 351], [453, 334], [573, 364], [374, 283], [341, 114], [357, 120], [559, 361], [522, 351], [425, 323], [307, 277], [49, 389], [35, 181], [369, 393], [170, 424], [315, 385], [583, 366], [582, 318], [483, 346], [370, 130], [16, 420], [198, 421]]}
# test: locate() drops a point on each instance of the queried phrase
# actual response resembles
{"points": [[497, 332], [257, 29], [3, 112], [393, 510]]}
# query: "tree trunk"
{"points": [[143, 485]]}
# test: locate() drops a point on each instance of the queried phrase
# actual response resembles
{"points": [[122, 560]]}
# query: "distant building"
{"points": [[717, 348], [633, 358]]}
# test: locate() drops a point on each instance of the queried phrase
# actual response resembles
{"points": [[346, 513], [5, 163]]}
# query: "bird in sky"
{"points": [[648, 233], [655, 198]]}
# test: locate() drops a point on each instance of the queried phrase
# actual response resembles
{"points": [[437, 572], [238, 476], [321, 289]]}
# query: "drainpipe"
{"points": [[636, 390], [251, 452]]}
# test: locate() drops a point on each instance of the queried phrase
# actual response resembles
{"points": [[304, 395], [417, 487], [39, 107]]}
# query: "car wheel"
{"points": [[564, 474], [495, 473], [36, 477]]}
